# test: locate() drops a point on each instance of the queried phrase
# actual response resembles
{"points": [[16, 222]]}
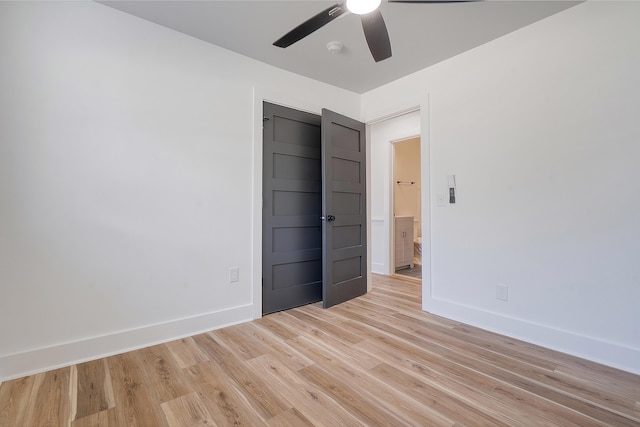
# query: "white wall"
{"points": [[381, 135], [541, 129], [127, 185]]}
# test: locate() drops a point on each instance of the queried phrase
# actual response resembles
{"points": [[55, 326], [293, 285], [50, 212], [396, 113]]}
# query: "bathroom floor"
{"points": [[416, 271]]}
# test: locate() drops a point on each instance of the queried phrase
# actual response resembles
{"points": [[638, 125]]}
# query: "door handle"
{"points": [[328, 218]]}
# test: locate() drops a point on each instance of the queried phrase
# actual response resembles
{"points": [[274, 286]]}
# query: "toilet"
{"points": [[417, 251]]}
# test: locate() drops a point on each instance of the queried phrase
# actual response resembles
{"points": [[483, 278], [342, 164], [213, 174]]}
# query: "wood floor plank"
{"points": [[310, 400], [99, 419], [49, 402], [14, 397], [307, 325], [187, 411], [186, 353], [278, 348], [404, 293], [394, 302], [497, 398], [618, 382], [347, 361], [242, 343], [470, 340], [375, 360], [276, 328], [350, 397], [259, 395], [133, 402], [92, 389], [325, 326], [290, 418], [325, 348], [161, 375], [221, 396], [377, 398]]}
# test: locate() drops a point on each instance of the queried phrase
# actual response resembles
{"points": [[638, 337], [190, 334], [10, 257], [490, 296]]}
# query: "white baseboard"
{"points": [[597, 350], [30, 362], [378, 268]]}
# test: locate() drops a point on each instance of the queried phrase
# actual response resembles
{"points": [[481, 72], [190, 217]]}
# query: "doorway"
{"points": [[383, 133], [407, 211], [314, 222]]}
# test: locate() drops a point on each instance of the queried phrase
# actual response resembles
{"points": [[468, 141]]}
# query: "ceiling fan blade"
{"points": [[311, 25], [375, 31]]}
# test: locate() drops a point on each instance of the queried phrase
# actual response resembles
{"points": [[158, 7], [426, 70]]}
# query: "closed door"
{"points": [[313, 209], [292, 207]]}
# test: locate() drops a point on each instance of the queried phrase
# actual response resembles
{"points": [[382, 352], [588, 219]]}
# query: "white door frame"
{"points": [[419, 102]]}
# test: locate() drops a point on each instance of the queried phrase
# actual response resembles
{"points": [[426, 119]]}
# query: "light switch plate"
{"points": [[502, 292]]}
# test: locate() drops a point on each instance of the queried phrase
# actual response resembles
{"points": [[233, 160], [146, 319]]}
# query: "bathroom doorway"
{"points": [[407, 239]]}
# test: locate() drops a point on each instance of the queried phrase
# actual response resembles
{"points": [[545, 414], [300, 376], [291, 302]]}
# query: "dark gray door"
{"points": [[344, 209], [292, 207]]}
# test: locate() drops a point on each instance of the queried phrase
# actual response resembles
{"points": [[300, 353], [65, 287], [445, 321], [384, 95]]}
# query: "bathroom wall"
{"points": [[406, 168]]}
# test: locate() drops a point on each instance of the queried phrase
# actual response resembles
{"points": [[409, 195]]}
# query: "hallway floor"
{"points": [[415, 272]]}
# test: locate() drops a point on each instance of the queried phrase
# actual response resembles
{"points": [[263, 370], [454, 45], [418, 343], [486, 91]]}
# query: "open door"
{"points": [[313, 169], [344, 226]]}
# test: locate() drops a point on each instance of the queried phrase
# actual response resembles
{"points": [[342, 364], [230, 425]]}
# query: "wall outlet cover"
{"points": [[502, 292]]}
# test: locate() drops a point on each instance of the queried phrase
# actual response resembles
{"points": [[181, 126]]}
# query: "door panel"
{"points": [[344, 197], [292, 206]]}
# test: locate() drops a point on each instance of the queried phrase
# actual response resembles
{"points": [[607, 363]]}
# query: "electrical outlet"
{"points": [[502, 292], [234, 274]]}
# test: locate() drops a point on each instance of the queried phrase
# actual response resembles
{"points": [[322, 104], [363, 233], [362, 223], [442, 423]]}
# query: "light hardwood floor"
{"points": [[375, 360]]}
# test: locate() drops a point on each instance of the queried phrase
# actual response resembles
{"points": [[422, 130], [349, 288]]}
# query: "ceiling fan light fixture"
{"points": [[362, 7]]}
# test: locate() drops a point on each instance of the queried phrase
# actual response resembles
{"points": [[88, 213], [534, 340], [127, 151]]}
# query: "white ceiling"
{"points": [[421, 34]]}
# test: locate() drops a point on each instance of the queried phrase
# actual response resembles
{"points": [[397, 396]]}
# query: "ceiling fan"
{"points": [[375, 30]]}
